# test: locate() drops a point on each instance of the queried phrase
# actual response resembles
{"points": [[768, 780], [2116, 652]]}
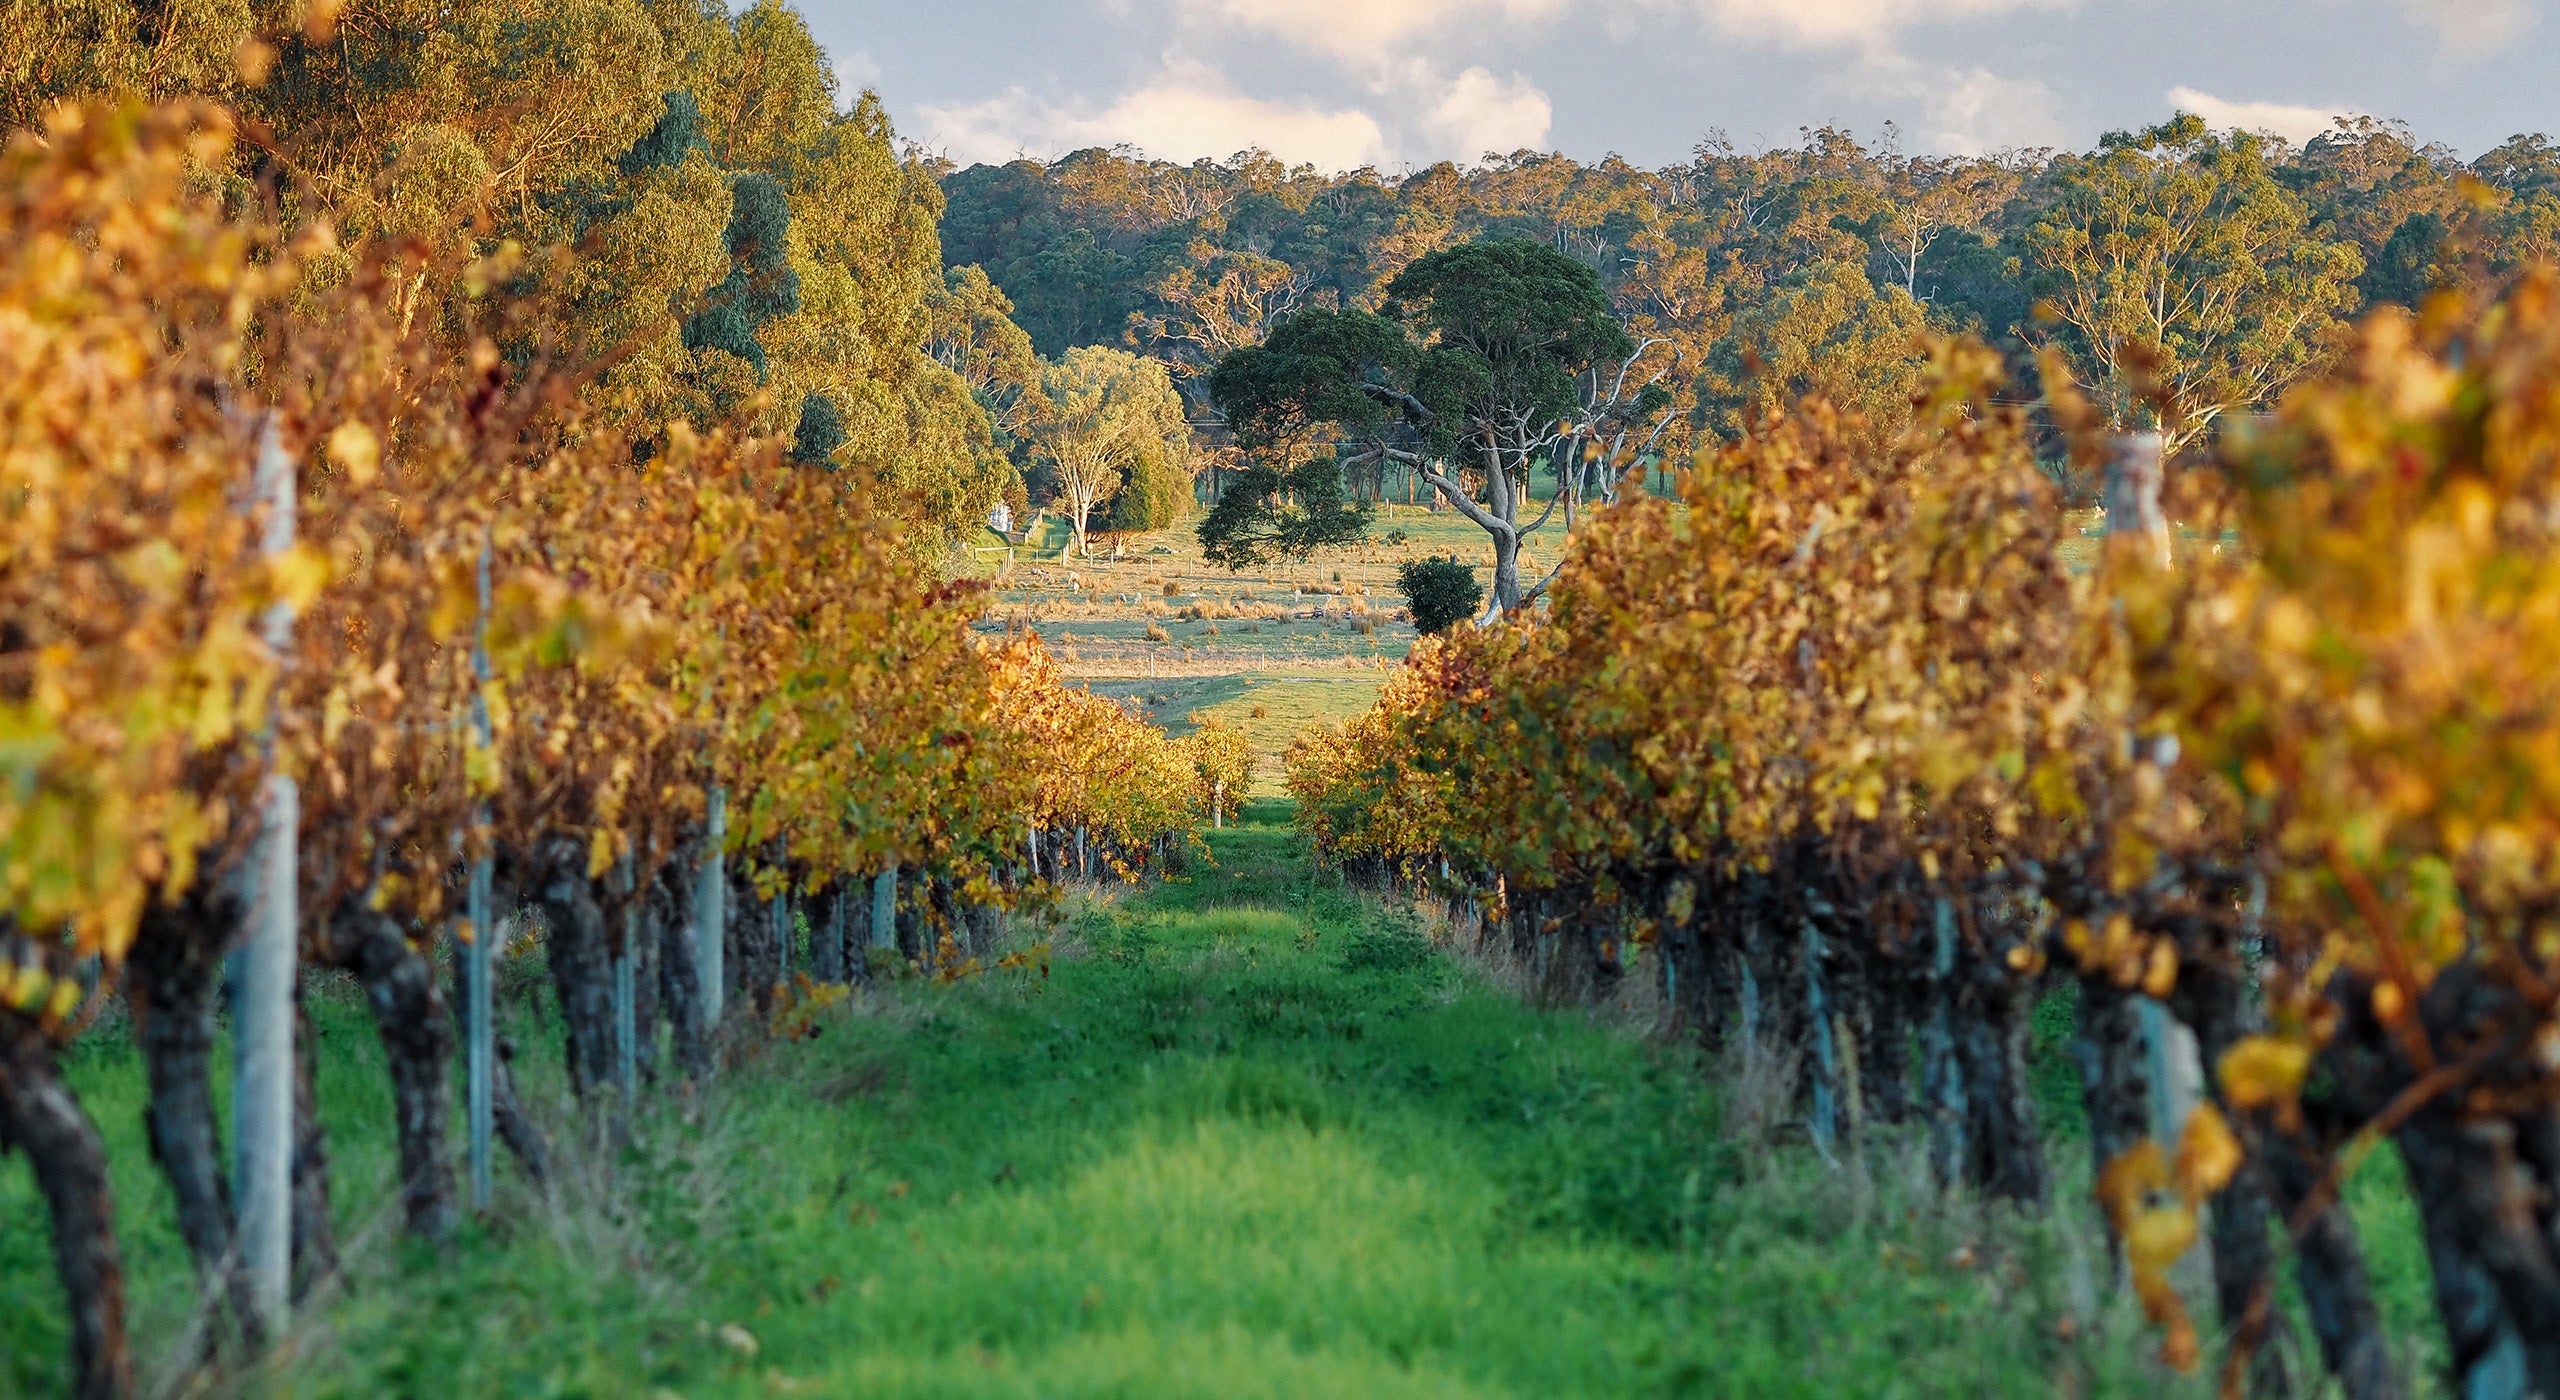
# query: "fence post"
{"points": [[479, 956], [884, 908], [263, 974], [2134, 471], [710, 900], [626, 1020], [1218, 805]]}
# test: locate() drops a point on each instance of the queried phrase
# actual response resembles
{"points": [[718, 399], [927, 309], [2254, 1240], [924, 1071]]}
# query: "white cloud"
{"points": [[1481, 113], [2295, 124], [1978, 111], [1867, 23], [1955, 111], [1359, 28], [2473, 28], [1188, 112]]}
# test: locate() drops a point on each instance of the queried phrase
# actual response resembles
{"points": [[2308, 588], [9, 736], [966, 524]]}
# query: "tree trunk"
{"points": [[1506, 569], [1942, 1082], [581, 955], [315, 1239], [2214, 998], [2107, 1049], [2007, 1150], [2494, 1271], [40, 1117], [1881, 1017], [516, 1128], [416, 1030], [826, 938], [680, 972], [646, 1005], [506, 1111], [174, 981]]}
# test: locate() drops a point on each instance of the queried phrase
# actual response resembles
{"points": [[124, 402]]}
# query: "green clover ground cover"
{"points": [[1248, 1136]]}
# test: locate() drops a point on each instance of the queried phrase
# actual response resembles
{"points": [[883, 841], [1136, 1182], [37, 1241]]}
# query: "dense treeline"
{"points": [[468, 470], [1849, 749], [718, 236], [1752, 279]]}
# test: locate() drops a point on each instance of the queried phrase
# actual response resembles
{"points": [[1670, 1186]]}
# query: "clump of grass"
{"points": [[1156, 633]]}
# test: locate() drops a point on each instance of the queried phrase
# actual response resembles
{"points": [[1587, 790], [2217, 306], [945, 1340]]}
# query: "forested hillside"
{"points": [[1753, 278], [721, 230]]}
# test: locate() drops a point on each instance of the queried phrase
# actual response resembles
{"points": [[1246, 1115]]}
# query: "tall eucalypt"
{"points": [[1487, 359]]}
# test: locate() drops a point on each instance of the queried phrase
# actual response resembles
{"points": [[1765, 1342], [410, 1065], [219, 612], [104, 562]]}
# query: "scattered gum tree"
{"points": [[1489, 359], [2173, 257], [1507, 328], [1107, 417]]}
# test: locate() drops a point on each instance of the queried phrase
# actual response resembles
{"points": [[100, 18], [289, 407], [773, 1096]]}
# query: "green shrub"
{"points": [[1441, 592]]}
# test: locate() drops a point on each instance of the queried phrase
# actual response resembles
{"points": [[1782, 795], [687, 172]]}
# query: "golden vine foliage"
{"points": [[1221, 764], [709, 615], [130, 659], [2372, 683], [1094, 765]]}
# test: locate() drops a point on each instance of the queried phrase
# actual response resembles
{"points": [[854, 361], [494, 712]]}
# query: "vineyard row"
{"points": [[1842, 747]]}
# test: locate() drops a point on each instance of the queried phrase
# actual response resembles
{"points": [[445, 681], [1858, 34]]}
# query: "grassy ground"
{"points": [[1248, 1135], [1273, 651]]}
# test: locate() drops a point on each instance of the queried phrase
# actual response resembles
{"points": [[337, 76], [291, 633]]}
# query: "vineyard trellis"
{"points": [[660, 695], [1843, 748]]}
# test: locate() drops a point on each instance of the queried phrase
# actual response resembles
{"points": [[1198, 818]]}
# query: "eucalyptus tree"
{"points": [[1504, 332], [1107, 419], [2183, 279]]}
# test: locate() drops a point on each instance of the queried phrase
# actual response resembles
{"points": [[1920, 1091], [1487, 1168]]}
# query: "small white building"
{"points": [[1000, 519]]}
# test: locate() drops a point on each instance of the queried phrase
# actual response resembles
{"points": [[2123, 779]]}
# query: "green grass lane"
{"points": [[1249, 1136]]}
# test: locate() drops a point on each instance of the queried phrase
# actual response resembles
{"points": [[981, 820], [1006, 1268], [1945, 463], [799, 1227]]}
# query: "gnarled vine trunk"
{"points": [[417, 1034], [173, 980], [41, 1117]]}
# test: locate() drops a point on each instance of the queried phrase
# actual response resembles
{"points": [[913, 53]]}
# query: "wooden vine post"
{"points": [[480, 1035], [2134, 471], [263, 971], [626, 1031], [710, 900], [884, 907]]}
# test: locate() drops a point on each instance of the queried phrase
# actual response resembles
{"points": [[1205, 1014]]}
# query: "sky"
{"points": [[1401, 83]]}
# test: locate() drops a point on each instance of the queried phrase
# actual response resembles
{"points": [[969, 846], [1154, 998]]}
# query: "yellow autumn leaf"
{"points": [[357, 451], [65, 1000], [2157, 1238], [2263, 1070], [2127, 1181], [2209, 1154], [298, 575], [2160, 970]]}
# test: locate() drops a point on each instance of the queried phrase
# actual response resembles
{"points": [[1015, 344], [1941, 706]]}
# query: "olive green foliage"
{"points": [[1109, 423], [761, 284], [1506, 327], [2175, 258], [820, 433], [702, 218], [1267, 513], [1731, 262], [1825, 331], [1441, 593], [1301, 390], [1477, 352]]}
